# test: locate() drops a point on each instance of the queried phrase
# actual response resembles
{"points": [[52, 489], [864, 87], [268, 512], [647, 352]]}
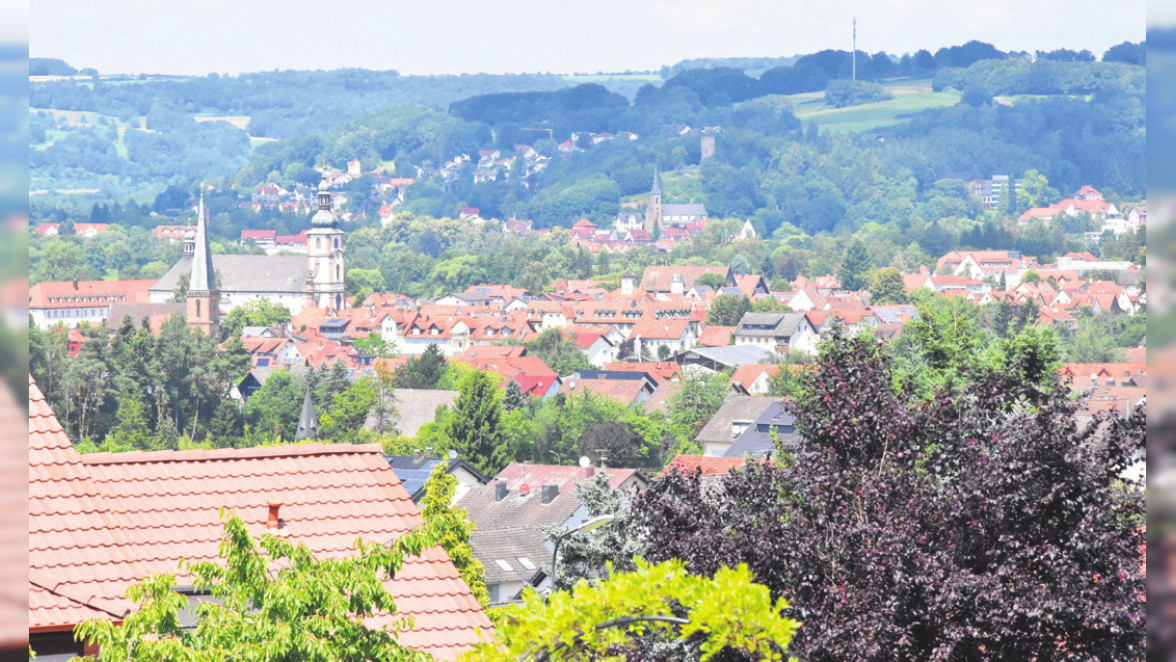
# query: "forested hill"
{"points": [[798, 147]]}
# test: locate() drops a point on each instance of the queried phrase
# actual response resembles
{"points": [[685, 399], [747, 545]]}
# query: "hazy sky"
{"points": [[560, 36]]}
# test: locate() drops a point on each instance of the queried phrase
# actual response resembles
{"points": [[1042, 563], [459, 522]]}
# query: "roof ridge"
{"points": [[286, 450]]}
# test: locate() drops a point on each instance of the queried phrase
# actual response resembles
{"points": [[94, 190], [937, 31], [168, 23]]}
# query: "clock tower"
{"points": [[325, 285]]}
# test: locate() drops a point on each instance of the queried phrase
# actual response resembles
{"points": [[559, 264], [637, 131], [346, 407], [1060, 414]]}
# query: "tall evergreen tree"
{"points": [[855, 267], [476, 423]]}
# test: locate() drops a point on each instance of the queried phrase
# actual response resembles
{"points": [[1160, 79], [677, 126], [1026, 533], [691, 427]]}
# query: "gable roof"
{"points": [[741, 408], [528, 511], [414, 408], [246, 273], [101, 522]]}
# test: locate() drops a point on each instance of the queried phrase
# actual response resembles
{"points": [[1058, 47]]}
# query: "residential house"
{"points": [[101, 522], [679, 279], [777, 331], [758, 440], [414, 471], [628, 388], [408, 409], [752, 379], [734, 417], [513, 512]]}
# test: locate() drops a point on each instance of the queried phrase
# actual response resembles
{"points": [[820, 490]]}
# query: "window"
{"points": [[492, 591], [501, 563], [198, 308]]}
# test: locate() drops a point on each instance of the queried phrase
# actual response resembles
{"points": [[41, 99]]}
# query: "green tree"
{"points": [[131, 429], [273, 410], [513, 397], [424, 371], [698, 399], [337, 380], [855, 267], [631, 611], [888, 287], [375, 345], [476, 424], [438, 504], [348, 410], [558, 352], [711, 280], [1035, 191], [254, 312], [769, 305], [272, 600], [727, 309]]}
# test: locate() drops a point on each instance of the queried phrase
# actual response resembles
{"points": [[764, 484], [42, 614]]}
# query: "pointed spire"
{"points": [[656, 188], [307, 425], [203, 275]]}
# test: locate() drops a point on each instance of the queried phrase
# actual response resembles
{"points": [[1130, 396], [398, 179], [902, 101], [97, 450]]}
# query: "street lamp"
{"points": [[588, 525], [557, 457]]}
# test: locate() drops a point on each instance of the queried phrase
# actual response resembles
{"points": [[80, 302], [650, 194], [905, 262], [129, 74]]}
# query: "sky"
{"points": [[527, 36]]}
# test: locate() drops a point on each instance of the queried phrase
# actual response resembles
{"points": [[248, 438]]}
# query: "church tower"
{"points": [[324, 253], [653, 212], [203, 297]]}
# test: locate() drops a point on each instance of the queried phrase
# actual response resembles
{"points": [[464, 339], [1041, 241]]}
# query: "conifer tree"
{"points": [[855, 267], [476, 423]]}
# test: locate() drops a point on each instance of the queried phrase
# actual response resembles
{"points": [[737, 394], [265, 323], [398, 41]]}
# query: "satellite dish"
{"points": [[585, 462], [453, 455]]}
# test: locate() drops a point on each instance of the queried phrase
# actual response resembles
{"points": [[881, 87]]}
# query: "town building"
{"points": [[315, 278]]}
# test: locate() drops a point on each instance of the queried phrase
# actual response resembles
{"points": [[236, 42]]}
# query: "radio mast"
{"points": [[853, 55]]}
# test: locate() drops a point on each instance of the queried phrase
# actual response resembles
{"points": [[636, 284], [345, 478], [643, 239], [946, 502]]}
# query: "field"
{"points": [[910, 97], [239, 121]]}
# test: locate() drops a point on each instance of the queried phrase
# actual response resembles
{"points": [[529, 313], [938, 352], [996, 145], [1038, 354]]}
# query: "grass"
{"points": [[239, 121], [910, 97]]}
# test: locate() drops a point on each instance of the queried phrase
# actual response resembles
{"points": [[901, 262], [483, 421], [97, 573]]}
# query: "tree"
{"points": [[475, 426], [698, 399], [712, 280], [336, 381], [512, 396], [131, 429], [628, 614], [273, 600], [422, 372], [769, 305], [558, 352], [1035, 191], [348, 410], [888, 287], [727, 309], [437, 504], [375, 345], [936, 508], [254, 312], [855, 267]]}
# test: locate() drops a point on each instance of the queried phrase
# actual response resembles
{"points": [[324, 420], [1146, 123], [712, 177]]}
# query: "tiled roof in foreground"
{"points": [[147, 510]]}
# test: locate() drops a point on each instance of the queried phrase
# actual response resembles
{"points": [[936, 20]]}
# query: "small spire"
{"points": [[656, 188], [203, 277], [307, 425]]}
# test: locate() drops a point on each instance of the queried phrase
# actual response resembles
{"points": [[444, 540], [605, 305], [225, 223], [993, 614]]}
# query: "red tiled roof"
{"points": [[705, 464], [258, 234], [716, 336], [71, 294], [745, 375], [660, 370], [76, 552], [624, 391], [150, 509]]}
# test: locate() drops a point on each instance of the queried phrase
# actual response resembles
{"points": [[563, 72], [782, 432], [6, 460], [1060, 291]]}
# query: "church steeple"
{"points": [[326, 287], [653, 211], [307, 425], [203, 297]]}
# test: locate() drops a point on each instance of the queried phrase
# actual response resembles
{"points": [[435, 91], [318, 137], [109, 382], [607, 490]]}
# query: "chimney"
{"points": [[499, 491], [549, 492], [274, 522]]}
